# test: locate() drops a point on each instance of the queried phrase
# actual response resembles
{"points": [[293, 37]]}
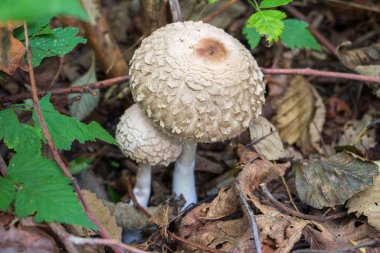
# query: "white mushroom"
{"points": [[142, 142], [198, 83]]}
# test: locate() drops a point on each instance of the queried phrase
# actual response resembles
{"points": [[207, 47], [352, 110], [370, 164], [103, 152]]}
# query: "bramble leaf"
{"points": [[273, 3], [42, 189], [297, 35], [212, 1], [64, 130], [268, 23], [252, 36], [35, 28], [7, 193], [26, 10], [20, 137]]}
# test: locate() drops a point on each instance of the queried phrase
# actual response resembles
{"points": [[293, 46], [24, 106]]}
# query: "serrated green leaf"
{"points": [[60, 42], [24, 168], [252, 36], [53, 200], [35, 28], [64, 130], [81, 108], [27, 10], [297, 35], [273, 3], [327, 182], [268, 23], [20, 137], [42, 189], [7, 193]]}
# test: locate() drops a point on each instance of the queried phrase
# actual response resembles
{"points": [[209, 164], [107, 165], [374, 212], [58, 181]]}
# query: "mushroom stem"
{"points": [[142, 186], [183, 177]]}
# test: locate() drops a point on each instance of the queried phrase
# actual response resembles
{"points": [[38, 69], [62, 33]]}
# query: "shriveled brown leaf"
{"points": [[266, 139], [223, 205], [327, 182], [353, 129], [367, 203], [365, 60], [335, 235], [102, 213], [12, 51], [300, 115], [26, 236], [338, 110]]}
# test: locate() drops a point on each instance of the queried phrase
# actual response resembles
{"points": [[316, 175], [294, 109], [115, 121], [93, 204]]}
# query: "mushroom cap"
{"points": [[142, 142], [197, 82]]}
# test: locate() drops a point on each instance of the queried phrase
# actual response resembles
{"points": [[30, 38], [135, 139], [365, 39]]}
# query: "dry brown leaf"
{"points": [[365, 60], [367, 203], [26, 237], [353, 129], [12, 51], [267, 141], [102, 213], [335, 235], [300, 115]]}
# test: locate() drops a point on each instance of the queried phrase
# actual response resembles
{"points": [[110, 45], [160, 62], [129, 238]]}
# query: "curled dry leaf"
{"points": [[300, 115], [102, 213], [265, 138], [365, 60], [12, 51], [216, 225], [352, 131], [327, 182], [26, 236], [367, 203]]}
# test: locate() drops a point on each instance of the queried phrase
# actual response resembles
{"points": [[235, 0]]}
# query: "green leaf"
{"points": [[27, 10], [252, 36], [35, 28], [212, 1], [273, 3], [297, 35], [327, 182], [7, 193], [80, 164], [60, 42], [64, 130], [268, 23], [87, 102], [43, 190], [20, 137]]}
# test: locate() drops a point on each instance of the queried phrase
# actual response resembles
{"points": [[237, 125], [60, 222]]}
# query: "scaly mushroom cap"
{"points": [[142, 142], [197, 82]]}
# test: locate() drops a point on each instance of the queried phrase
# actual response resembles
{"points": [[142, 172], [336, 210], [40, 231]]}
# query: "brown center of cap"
{"points": [[211, 49]]}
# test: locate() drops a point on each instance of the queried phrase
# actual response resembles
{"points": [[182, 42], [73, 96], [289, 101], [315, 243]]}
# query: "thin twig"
{"points": [[62, 234], [314, 72], [292, 212], [276, 60], [68, 90], [251, 218], [3, 167], [289, 194], [219, 10], [61, 59], [322, 39], [135, 202], [356, 5], [106, 242], [175, 9], [52, 147]]}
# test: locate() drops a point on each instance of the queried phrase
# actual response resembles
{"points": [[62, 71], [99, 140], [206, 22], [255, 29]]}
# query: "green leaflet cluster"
{"points": [[34, 183]]}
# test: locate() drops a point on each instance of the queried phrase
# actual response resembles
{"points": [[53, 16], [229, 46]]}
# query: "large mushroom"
{"points": [[198, 83], [142, 142]]}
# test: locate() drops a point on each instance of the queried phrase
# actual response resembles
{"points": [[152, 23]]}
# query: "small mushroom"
{"points": [[142, 142], [198, 83]]}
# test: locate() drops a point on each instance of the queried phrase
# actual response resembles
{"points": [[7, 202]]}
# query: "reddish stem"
{"points": [[53, 149], [313, 72], [218, 11]]}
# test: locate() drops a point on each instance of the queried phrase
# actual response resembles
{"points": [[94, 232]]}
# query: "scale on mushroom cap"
{"points": [[195, 83]]}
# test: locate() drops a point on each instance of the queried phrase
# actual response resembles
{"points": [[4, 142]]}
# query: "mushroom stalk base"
{"points": [[142, 186], [183, 176]]}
